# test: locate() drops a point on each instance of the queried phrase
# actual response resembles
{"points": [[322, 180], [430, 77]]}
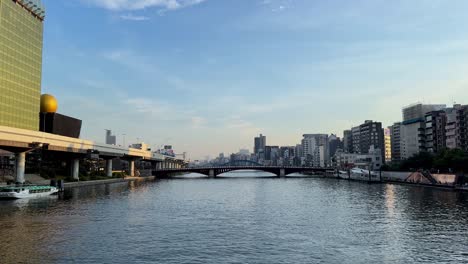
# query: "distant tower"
{"points": [[110, 139], [259, 144]]}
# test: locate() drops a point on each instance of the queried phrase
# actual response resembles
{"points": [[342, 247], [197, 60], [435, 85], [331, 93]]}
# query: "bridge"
{"points": [[72, 150], [212, 172]]}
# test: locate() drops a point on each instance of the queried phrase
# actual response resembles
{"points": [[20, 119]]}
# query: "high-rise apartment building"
{"points": [[315, 148], [435, 128], [356, 139], [21, 29], [395, 139], [364, 137], [371, 134], [452, 138], [348, 141], [413, 130]]}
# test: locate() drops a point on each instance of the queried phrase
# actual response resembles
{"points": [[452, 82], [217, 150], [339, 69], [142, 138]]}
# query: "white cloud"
{"points": [[119, 5], [134, 17]]}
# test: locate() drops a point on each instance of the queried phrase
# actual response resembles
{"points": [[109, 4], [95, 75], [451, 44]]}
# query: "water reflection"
{"points": [[249, 220]]}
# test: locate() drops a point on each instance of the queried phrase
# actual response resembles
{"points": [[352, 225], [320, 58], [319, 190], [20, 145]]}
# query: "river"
{"points": [[238, 219]]}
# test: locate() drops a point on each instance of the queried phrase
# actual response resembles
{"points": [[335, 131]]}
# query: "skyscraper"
{"points": [[21, 29], [259, 144], [110, 139]]}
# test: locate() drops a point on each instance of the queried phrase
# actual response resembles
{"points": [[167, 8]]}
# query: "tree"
{"points": [[455, 160], [422, 160]]}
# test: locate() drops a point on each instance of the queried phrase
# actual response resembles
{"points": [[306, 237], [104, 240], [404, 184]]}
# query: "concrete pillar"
{"points": [[131, 168], [109, 168], [212, 173], [282, 173], [76, 169], [20, 166]]}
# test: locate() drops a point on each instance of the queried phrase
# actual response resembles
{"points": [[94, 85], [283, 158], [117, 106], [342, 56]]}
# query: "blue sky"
{"points": [[208, 75]]}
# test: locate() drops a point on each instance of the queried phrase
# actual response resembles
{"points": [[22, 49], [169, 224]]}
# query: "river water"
{"points": [[238, 220]]}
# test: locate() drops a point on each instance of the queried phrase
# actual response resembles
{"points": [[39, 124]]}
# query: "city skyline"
{"points": [[183, 73]]}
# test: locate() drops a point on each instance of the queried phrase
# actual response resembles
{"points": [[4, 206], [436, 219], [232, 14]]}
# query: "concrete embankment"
{"points": [[70, 185], [424, 179]]}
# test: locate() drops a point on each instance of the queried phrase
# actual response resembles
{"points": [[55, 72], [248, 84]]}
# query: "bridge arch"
{"points": [[220, 172]]}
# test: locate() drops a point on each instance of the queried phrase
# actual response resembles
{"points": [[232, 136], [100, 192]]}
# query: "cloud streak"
{"points": [[132, 17]]}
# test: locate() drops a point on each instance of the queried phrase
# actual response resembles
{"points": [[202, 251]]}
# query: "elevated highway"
{"points": [[21, 141]]}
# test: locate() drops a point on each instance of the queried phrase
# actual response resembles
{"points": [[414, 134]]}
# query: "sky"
{"points": [[207, 76]]}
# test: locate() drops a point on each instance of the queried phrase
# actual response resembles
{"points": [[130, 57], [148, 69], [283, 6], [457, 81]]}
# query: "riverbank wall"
{"points": [[70, 185]]}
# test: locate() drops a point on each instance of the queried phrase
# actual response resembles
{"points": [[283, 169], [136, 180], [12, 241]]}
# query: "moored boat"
{"points": [[364, 175], [26, 191]]}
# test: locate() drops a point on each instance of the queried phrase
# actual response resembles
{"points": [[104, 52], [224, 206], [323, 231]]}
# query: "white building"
{"points": [[349, 160], [315, 149]]}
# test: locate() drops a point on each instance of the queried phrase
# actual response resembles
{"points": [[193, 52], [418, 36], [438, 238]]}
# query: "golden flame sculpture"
{"points": [[48, 104]]}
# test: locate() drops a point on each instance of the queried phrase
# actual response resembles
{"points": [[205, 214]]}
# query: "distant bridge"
{"points": [[213, 172], [241, 163]]}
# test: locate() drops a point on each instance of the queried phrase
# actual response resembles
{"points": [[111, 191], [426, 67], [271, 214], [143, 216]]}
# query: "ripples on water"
{"points": [[246, 220]]}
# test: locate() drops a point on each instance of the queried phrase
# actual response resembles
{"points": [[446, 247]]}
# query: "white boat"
{"points": [[364, 175], [26, 191], [343, 174]]}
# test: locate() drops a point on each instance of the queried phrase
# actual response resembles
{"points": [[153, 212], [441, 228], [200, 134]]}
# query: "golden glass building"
{"points": [[21, 29]]}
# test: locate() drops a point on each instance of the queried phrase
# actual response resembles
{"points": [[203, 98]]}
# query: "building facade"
{"points": [[372, 160], [348, 141], [259, 144], [413, 130], [388, 145], [367, 136], [21, 42], [334, 144], [462, 120], [435, 127], [395, 139], [110, 139], [371, 135], [356, 139], [315, 148]]}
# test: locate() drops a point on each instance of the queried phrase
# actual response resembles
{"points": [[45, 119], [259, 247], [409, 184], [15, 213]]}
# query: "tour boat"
{"points": [[358, 174], [364, 175], [26, 191]]}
